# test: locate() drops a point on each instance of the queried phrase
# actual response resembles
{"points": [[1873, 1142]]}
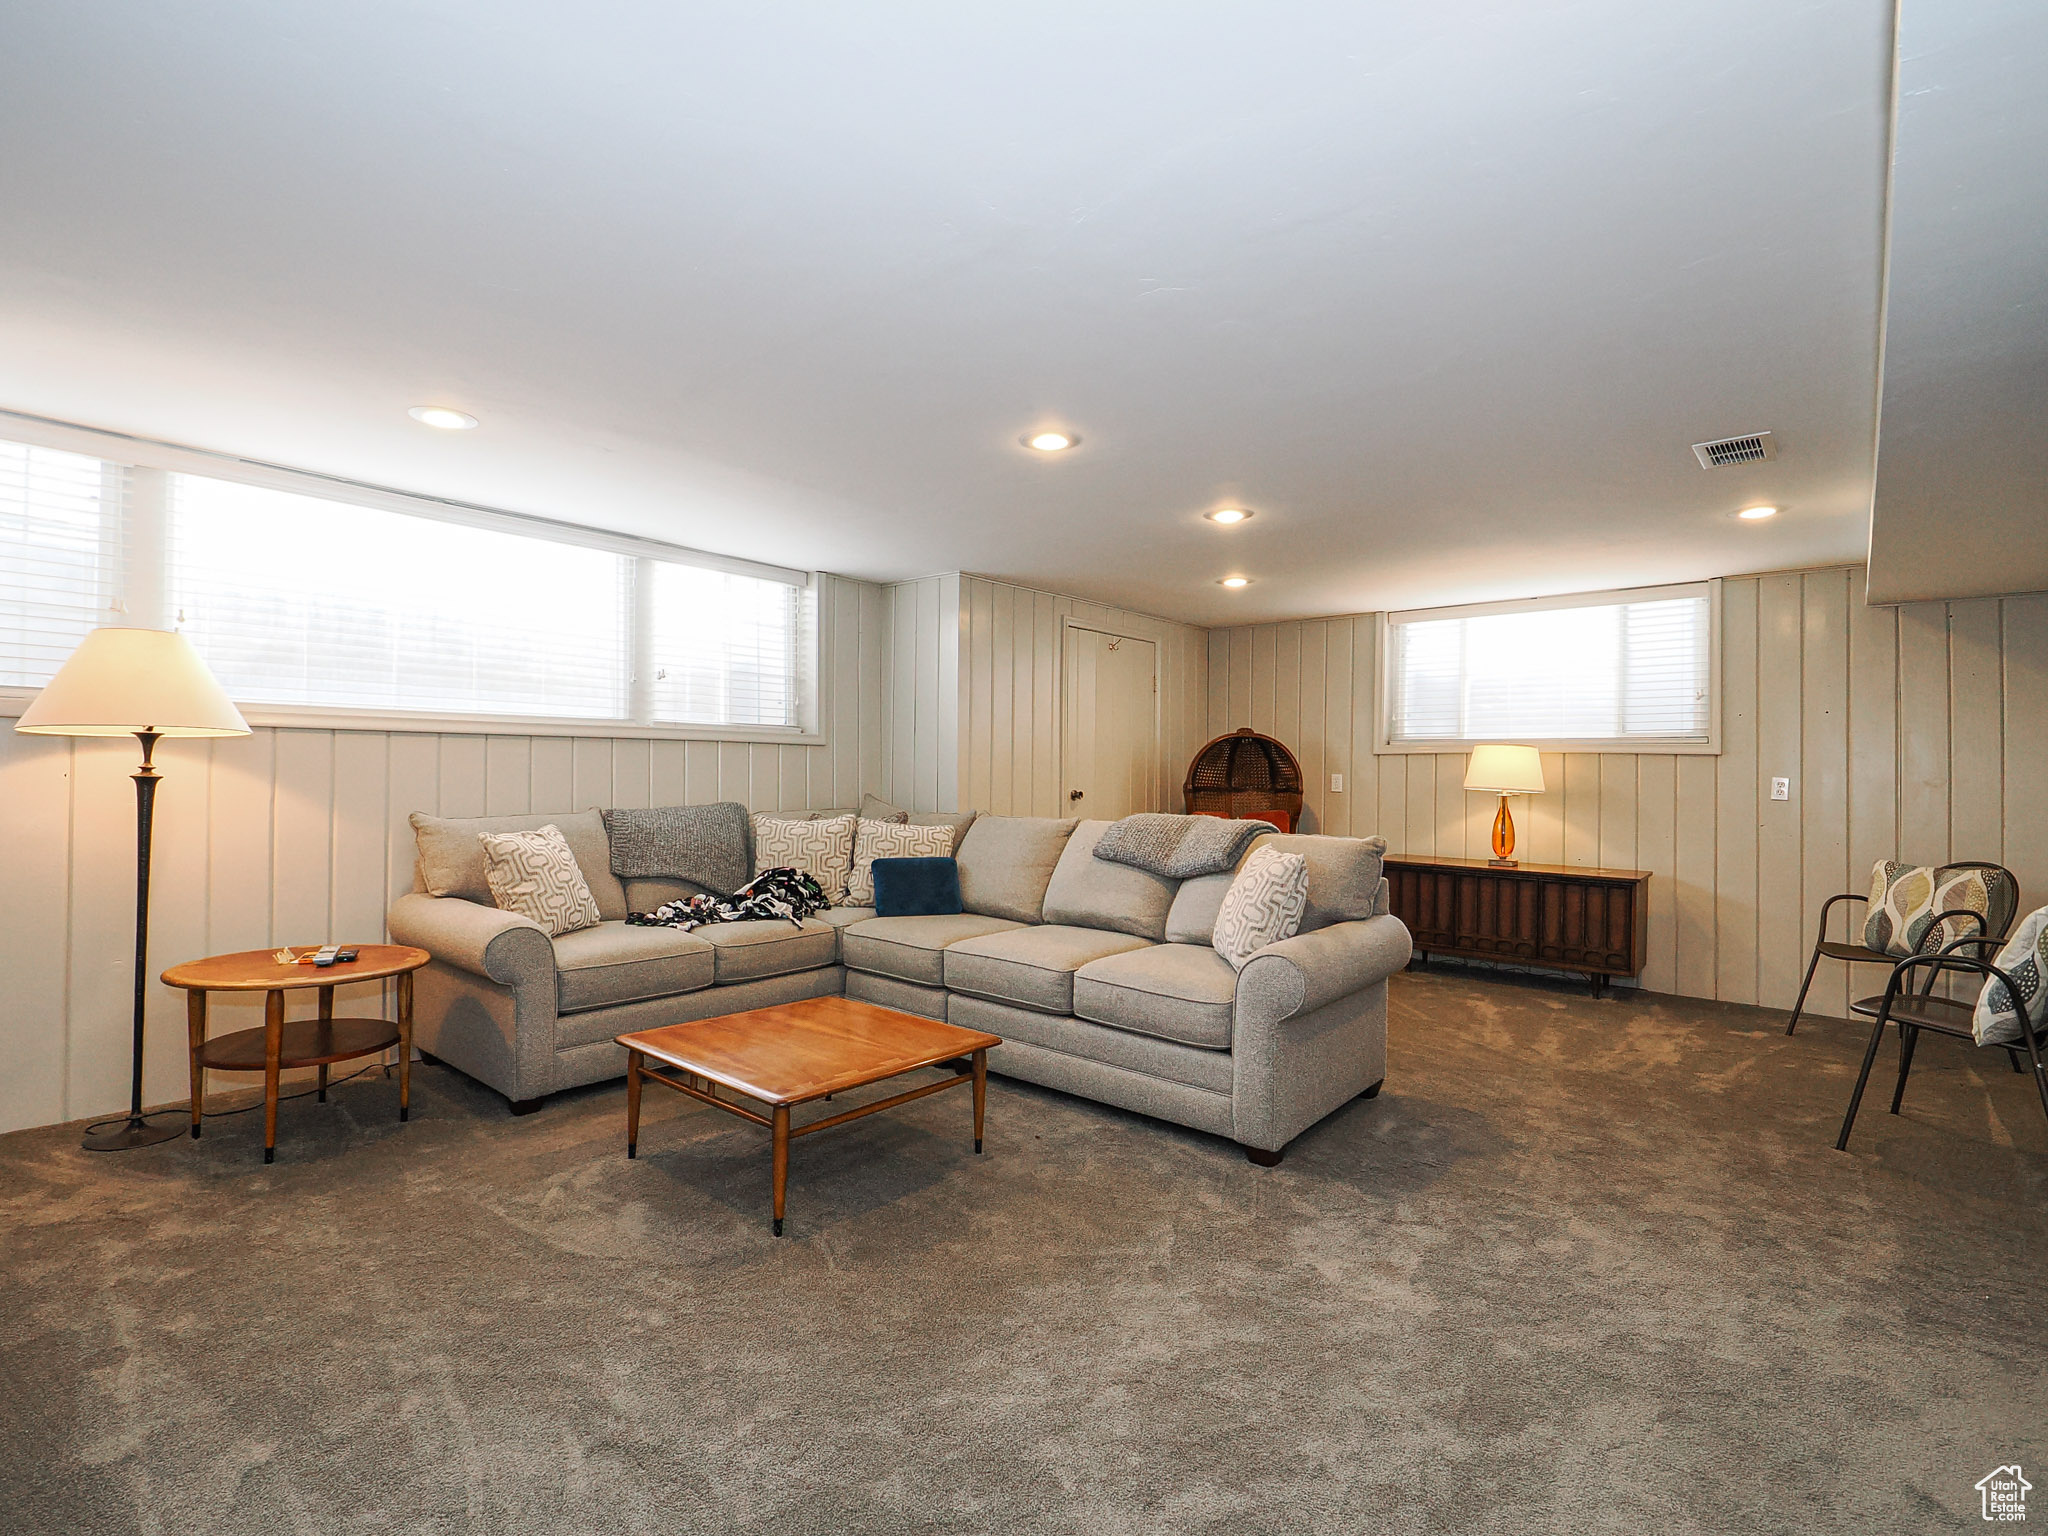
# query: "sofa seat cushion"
{"points": [[913, 948], [1032, 967], [614, 963], [1184, 992], [768, 947]]}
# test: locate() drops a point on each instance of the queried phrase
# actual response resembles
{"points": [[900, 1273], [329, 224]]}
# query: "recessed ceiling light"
{"points": [[1227, 515], [441, 416], [1756, 514], [1051, 442], [1237, 581]]}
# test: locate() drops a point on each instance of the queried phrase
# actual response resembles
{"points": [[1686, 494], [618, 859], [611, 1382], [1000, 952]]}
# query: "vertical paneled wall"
{"points": [[1918, 733], [974, 697], [300, 836]]}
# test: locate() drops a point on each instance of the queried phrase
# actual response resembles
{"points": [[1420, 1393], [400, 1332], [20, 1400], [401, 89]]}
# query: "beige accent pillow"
{"points": [[821, 849], [535, 875], [1263, 905], [874, 808], [892, 840]]}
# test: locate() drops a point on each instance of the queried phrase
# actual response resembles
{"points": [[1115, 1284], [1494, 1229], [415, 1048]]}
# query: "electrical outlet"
{"points": [[1336, 783], [1781, 789]]}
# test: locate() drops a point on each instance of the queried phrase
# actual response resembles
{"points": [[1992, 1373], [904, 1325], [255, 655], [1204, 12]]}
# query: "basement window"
{"points": [[320, 603], [1632, 671]]}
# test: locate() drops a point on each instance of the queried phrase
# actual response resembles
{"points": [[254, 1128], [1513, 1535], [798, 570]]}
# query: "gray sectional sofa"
{"points": [[1099, 977]]}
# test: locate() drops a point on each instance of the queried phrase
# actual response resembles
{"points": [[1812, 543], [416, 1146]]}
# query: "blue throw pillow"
{"points": [[916, 887]]}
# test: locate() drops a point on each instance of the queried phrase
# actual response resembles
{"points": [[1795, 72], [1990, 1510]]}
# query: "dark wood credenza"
{"points": [[1573, 918]]}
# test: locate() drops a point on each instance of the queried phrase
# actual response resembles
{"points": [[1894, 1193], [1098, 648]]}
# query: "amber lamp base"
{"points": [[1504, 838]]}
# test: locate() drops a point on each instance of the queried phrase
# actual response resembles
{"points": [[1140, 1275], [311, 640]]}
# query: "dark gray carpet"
{"points": [[1583, 1266]]}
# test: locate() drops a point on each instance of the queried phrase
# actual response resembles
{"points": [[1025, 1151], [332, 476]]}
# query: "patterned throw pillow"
{"points": [[2025, 959], [1905, 899], [1901, 908], [1263, 905], [821, 849], [535, 875], [891, 840]]}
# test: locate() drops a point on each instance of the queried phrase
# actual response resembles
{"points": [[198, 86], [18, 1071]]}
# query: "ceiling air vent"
{"points": [[1753, 449]]}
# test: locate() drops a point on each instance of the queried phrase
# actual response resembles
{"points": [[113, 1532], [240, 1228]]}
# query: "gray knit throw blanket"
{"points": [[707, 845], [1178, 847]]}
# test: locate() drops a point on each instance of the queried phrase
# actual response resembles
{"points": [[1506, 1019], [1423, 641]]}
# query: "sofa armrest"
{"points": [[1312, 970], [498, 946]]}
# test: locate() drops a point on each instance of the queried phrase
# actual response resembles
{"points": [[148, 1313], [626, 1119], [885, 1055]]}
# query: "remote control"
{"points": [[346, 955], [326, 955]]}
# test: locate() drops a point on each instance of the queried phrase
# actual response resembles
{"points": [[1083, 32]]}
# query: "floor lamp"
{"points": [[148, 683]]}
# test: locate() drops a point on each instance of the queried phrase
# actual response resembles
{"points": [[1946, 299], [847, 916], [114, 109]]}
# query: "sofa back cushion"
{"points": [[1192, 919], [1344, 875], [646, 895], [1006, 862], [451, 859], [1087, 892]]}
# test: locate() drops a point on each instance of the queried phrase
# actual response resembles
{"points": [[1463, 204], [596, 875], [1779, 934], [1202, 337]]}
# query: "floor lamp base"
{"points": [[131, 1131]]}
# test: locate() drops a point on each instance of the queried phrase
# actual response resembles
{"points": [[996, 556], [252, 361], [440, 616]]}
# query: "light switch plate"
{"points": [[1336, 783], [1781, 789]]}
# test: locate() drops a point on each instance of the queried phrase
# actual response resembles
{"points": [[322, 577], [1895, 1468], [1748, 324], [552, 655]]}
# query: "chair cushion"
{"points": [[1031, 967], [1087, 892], [1183, 992], [451, 860], [913, 948], [768, 947], [615, 963], [1006, 863], [1901, 907], [1996, 1018], [1344, 875]]}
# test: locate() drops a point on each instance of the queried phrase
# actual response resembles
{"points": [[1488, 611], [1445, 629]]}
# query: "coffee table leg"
{"points": [[405, 1046], [780, 1131], [980, 1092], [273, 1047], [195, 1031], [632, 1103]]}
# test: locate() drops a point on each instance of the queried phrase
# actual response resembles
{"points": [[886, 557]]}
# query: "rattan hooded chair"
{"points": [[1245, 775]]}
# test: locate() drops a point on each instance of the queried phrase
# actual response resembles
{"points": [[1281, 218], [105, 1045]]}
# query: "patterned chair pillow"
{"points": [[891, 840], [822, 849], [2024, 958], [1263, 905], [535, 874], [1961, 890], [1901, 908]]}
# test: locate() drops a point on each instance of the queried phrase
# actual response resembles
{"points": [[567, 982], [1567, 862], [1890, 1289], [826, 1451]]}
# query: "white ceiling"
{"points": [[1961, 504], [1443, 289]]}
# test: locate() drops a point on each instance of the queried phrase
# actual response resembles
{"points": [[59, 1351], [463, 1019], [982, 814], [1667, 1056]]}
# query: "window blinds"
{"points": [[297, 600], [60, 545], [724, 647], [1623, 671]]}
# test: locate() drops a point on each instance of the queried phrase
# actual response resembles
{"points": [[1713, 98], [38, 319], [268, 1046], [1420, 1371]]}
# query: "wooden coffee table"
{"points": [[796, 1052]]}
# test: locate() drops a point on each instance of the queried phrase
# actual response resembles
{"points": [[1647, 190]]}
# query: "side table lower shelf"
{"points": [[306, 1043]]}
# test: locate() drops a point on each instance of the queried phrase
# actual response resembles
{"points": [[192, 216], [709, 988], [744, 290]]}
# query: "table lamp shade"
{"points": [[121, 682], [1505, 770]]}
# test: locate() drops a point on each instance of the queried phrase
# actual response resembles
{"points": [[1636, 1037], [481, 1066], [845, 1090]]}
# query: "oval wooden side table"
{"points": [[318, 1042]]}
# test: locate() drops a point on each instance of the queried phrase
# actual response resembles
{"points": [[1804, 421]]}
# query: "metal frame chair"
{"points": [[1944, 1016], [1993, 924]]}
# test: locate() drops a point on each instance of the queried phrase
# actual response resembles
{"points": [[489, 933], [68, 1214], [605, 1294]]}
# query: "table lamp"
{"points": [[148, 683], [1505, 771]]}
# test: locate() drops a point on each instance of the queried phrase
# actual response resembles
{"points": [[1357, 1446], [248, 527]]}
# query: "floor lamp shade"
{"points": [[1504, 771], [122, 682], [148, 683]]}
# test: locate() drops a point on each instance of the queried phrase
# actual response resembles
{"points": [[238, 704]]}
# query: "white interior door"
{"points": [[1110, 752]]}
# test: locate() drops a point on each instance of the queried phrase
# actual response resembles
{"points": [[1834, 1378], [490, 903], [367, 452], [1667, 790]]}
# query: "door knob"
{"points": [[1073, 794]]}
